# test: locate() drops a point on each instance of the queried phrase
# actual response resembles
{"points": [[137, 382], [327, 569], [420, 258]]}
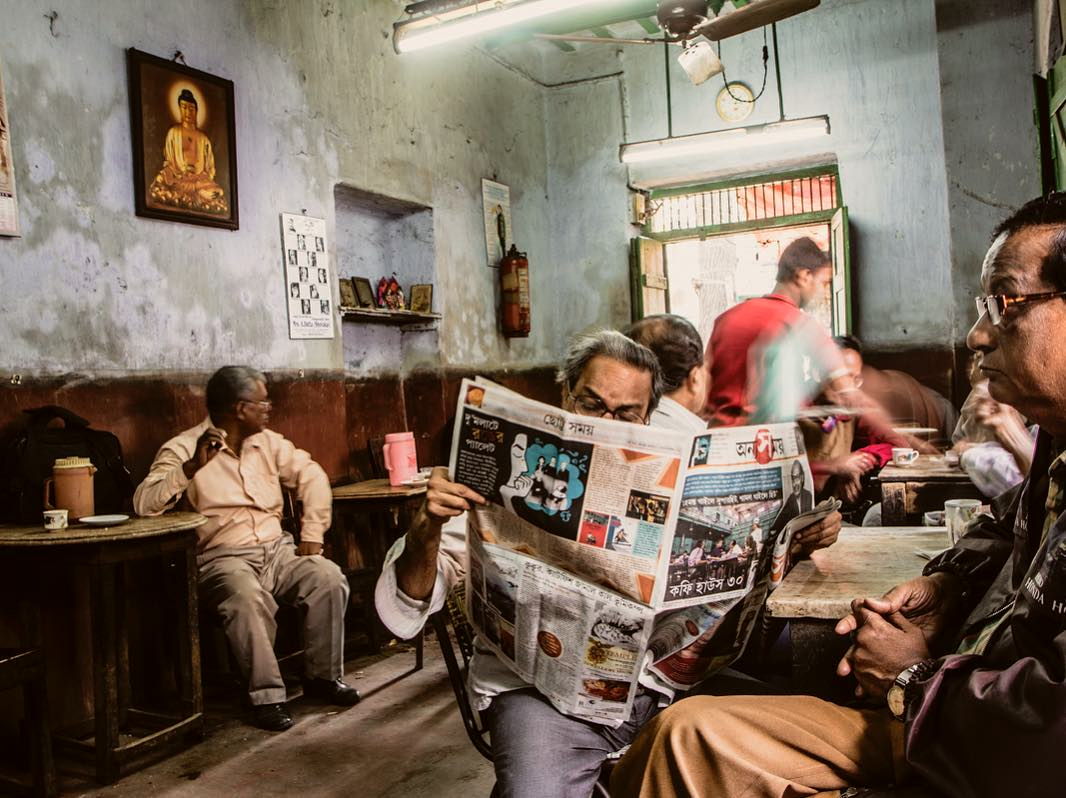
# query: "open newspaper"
{"points": [[609, 549]]}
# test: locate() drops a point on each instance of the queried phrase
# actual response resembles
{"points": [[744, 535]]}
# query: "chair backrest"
{"points": [[452, 618]]}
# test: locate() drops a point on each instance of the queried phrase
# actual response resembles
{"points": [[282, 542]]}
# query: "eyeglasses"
{"points": [[995, 305], [264, 404], [594, 406]]}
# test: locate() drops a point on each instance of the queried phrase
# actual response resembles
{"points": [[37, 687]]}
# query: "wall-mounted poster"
{"points": [[308, 278], [9, 210], [184, 143], [496, 200]]}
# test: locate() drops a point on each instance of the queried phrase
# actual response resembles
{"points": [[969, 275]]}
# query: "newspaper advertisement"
{"points": [[607, 548], [580, 645]]}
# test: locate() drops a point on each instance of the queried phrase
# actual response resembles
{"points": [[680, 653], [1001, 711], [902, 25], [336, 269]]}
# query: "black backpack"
{"points": [[29, 452]]}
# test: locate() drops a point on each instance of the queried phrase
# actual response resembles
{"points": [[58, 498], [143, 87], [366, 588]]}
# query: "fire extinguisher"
{"points": [[514, 294]]}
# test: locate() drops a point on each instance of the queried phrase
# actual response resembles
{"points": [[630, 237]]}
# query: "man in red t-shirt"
{"points": [[766, 356]]}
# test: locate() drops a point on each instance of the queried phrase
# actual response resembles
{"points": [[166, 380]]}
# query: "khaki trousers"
{"points": [[245, 585], [761, 747]]}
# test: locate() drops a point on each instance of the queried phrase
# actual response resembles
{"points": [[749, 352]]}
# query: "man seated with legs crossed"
{"points": [[231, 468], [964, 665]]}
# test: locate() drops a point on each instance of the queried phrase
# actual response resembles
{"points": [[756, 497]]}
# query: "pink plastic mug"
{"points": [[400, 457]]}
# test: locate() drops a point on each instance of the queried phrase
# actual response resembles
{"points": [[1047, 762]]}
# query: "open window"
{"points": [[707, 248]]}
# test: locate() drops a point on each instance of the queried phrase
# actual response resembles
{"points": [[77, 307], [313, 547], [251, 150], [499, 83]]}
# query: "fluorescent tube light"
{"points": [[477, 18], [720, 141]]}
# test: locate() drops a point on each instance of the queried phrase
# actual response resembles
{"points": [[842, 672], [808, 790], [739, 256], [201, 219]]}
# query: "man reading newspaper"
{"points": [[564, 525]]}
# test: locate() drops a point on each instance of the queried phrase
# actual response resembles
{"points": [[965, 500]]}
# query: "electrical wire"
{"points": [[765, 70]]}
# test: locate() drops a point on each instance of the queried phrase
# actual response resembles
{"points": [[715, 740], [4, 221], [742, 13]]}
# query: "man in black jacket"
{"points": [[964, 666]]}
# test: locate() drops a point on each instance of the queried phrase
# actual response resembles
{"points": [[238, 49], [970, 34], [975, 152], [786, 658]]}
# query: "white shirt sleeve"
{"points": [[403, 615], [991, 468]]}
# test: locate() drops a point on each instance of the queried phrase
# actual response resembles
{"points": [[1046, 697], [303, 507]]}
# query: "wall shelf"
{"points": [[401, 318]]}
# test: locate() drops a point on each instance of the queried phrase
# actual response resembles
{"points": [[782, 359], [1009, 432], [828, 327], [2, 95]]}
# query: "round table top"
{"points": [[136, 528], [376, 489]]}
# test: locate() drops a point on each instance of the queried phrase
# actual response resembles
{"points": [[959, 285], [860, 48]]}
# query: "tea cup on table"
{"points": [[55, 519], [957, 514], [903, 455]]}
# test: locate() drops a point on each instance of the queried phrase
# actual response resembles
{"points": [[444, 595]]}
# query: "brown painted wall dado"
{"points": [[333, 417]]}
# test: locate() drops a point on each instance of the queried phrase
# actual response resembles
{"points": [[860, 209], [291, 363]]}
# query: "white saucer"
{"points": [[103, 520]]}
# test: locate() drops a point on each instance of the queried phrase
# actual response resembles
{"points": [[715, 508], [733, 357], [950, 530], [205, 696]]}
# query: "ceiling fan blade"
{"points": [[756, 14], [555, 37]]}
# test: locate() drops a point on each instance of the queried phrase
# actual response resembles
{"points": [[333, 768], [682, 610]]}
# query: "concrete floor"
{"points": [[405, 738]]}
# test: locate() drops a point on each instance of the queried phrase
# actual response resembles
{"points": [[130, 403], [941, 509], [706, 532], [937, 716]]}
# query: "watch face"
{"points": [[896, 704], [735, 102]]}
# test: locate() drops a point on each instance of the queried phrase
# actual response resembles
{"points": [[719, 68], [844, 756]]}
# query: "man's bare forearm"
{"points": [[416, 568]]}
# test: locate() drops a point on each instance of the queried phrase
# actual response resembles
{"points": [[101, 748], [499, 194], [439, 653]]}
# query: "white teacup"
{"points": [[55, 519], [903, 455], [957, 514]]}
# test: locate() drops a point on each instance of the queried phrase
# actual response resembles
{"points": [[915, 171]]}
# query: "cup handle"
{"points": [[385, 456], [47, 483]]}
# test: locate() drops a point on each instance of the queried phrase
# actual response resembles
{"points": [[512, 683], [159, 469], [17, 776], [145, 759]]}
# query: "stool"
{"points": [[25, 668]]}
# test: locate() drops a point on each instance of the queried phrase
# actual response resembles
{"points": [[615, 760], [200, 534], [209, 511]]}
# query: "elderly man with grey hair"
{"points": [[231, 468], [537, 750]]}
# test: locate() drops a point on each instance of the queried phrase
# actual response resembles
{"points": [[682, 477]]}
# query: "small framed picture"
{"points": [[364, 294], [421, 298], [347, 290]]}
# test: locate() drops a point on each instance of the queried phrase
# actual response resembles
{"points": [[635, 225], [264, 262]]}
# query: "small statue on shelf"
{"points": [[394, 299], [383, 285]]}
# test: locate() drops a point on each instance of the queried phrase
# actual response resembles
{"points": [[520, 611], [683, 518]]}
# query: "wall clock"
{"points": [[735, 110]]}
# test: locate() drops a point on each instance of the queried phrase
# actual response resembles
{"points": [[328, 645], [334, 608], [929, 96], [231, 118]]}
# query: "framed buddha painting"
{"points": [[184, 142]]}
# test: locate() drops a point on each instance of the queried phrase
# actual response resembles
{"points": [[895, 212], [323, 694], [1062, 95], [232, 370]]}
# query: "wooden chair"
{"points": [[451, 618], [25, 668]]}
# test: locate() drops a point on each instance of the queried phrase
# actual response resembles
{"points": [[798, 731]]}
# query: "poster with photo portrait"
{"points": [[308, 278], [9, 212]]}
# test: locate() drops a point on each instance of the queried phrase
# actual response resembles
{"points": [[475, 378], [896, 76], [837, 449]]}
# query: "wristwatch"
{"points": [[897, 693]]}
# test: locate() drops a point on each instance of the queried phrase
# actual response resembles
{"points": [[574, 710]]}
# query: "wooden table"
{"points": [[865, 561], [907, 492], [367, 517], [378, 501], [105, 551]]}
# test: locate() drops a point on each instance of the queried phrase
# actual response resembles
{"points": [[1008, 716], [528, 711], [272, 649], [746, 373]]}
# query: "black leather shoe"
{"points": [[272, 717], [334, 692]]}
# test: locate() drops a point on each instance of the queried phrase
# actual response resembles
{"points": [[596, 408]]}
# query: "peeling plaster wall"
{"points": [[985, 50], [321, 99]]}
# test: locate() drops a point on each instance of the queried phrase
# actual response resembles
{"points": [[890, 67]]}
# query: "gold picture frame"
{"points": [[347, 293], [364, 294], [421, 298]]}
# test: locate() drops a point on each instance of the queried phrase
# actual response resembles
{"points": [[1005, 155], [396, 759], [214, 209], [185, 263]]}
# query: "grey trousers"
{"points": [[245, 585], [538, 752]]}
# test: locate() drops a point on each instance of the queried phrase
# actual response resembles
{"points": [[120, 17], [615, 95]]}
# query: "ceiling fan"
{"points": [[684, 20]]}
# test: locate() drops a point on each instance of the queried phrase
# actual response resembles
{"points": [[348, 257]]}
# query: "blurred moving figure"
{"points": [[994, 445]]}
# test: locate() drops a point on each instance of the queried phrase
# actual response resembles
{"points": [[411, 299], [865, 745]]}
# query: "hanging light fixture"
{"points": [[473, 19], [731, 140]]}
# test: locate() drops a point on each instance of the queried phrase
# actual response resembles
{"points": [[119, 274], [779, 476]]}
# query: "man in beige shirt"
{"points": [[230, 468]]}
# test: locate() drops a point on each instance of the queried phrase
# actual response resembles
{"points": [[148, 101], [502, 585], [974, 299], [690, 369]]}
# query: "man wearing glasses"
{"points": [[961, 667], [231, 468], [537, 750]]}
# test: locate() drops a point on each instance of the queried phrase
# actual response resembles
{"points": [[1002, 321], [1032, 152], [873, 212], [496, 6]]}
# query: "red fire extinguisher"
{"points": [[514, 294]]}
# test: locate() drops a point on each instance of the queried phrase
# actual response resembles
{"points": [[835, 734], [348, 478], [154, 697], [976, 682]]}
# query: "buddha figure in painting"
{"points": [[187, 179]]}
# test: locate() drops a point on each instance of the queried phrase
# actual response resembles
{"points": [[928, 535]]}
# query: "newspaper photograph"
{"points": [[742, 485]]}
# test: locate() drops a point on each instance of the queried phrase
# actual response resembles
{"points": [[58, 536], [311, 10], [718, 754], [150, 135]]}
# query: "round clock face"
{"points": [[735, 110]]}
